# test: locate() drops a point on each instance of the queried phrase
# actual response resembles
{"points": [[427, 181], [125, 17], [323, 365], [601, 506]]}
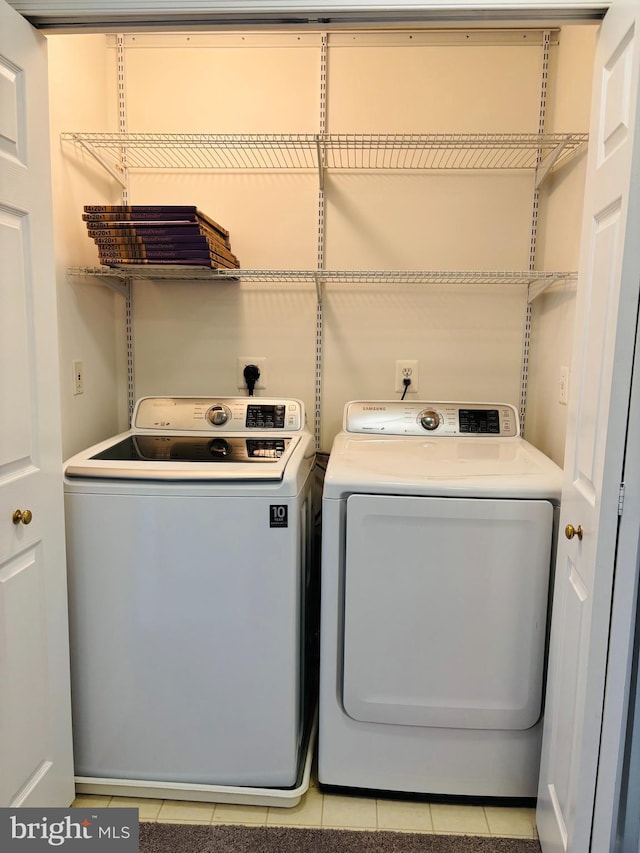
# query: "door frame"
{"points": [[629, 534], [616, 769]]}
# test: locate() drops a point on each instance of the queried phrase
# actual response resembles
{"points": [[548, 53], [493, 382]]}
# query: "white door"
{"points": [[602, 363], [35, 715]]}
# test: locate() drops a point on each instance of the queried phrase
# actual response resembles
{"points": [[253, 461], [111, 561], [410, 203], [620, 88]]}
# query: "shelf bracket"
{"points": [[547, 165], [122, 286], [104, 163], [319, 282], [114, 283], [536, 288]]}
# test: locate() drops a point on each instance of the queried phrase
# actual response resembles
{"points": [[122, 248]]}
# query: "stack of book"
{"points": [[158, 234]]}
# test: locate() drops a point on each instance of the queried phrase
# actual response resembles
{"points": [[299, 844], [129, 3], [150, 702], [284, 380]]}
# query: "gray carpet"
{"points": [[185, 838]]}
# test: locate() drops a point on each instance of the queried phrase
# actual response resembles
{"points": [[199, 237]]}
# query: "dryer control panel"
{"points": [[394, 417]]}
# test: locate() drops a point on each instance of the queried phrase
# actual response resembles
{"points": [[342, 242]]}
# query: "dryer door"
{"points": [[446, 611]]}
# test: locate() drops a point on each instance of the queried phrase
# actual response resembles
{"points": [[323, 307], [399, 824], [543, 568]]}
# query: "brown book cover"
{"points": [[153, 216], [191, 262], [164, 240], [149, 229], [140, 208], [142, 252], [214, 235], [223, 251], [206, 220]]}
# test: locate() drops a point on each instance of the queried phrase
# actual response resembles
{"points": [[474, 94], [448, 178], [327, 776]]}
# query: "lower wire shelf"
{"points": [[118, 276]]}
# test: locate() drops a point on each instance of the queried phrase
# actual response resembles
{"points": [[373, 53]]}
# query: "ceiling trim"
{"points": [[146, 15]]}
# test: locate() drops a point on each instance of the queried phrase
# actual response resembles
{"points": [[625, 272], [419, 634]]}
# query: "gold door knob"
{"points": [[570, 531], [22, 515]]}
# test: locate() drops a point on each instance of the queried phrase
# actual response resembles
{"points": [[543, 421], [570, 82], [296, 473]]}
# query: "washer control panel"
{"points": [[218, 414], [446, 419]]}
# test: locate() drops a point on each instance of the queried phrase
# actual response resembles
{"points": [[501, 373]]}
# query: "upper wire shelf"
{"points": [[484, 151]]}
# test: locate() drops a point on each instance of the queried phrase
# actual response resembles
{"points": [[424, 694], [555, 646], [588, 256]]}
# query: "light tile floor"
{"points": [[329, 810]]}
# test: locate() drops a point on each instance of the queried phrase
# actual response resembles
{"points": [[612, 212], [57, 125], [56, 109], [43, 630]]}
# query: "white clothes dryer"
{"points": [[189, 554], [438, 523]]}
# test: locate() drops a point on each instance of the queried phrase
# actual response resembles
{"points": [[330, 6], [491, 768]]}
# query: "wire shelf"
{"points": [[448, 151], [329, 151], [540, 280]]}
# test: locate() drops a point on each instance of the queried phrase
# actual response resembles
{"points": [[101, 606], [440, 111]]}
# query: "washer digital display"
{"points": [[479, 421], [260, 416]]}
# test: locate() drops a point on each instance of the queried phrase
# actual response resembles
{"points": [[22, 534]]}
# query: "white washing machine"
{"points": [[438, 522], [189, 545]]}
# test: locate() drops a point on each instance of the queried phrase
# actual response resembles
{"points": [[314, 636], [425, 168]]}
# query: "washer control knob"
{"points": [[429, 420], [219, 447], [218, 415]]}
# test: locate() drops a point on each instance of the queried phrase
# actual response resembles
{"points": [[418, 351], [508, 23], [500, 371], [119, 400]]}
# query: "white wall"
{"points": [[188, 335], [559, 243], [81, 85], [468, 344]]}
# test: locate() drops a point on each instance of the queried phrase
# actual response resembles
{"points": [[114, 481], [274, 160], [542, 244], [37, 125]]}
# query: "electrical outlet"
{"points": [[260, 362], [78, 377], [407, 370], [563, 386]]}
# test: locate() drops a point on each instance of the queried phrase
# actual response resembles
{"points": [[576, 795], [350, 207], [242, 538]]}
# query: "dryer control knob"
{"points": [[218, 415], [429, 420]]}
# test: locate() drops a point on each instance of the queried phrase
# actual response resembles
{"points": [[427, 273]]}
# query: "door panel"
{"points": [[35, 708], [593, 385], [17, 445], [445, 611], [25, 714], [12, 136], [573, 617], [617, 95]]}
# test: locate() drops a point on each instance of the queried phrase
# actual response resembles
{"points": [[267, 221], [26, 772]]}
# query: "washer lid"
{"points": [[135, 456], [468, 466], [218, 450]]}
